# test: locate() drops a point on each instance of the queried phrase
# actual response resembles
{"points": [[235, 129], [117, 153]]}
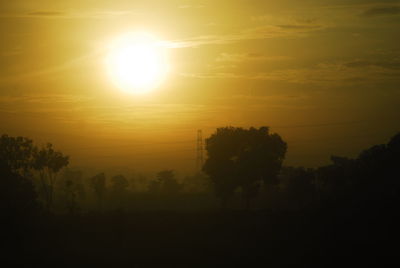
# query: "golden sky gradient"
{"points": [[325, 75]]}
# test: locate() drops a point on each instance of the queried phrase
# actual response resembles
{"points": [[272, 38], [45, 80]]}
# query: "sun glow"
{"points": [[137, 62]]}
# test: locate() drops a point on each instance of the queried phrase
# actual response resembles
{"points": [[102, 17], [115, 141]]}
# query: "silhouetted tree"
{"points": [[243, 158], [370, 178], [72, 186], [154, 186], [168, 182], [98, 184], [119, 184], [18, 198], [336, 181], [48, 163], [141, 182], [132, 183], [379, 168], [393, 148], [196, 183], [17, 154]]}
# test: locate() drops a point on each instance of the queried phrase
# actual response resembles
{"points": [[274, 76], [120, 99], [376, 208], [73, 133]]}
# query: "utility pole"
{"points": [[199, 159]]}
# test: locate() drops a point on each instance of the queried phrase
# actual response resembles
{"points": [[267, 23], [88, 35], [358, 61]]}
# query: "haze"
{"points": [[323, 74]]}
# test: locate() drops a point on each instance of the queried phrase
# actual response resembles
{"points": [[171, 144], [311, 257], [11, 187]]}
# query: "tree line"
{"points": [[40, 174], [240, 162], [250, 161]]}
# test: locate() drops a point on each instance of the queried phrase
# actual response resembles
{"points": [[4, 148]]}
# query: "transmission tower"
{"points": [[199, 159]]}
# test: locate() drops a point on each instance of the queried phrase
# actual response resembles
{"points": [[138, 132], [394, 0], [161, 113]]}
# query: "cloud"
{"points": [[190, 6], [299, 27], [111, 13], [54, 14], [46, 13], [11, 52], [258, 33], [388, 64], [72, 63], [227, 57], [381, 11], [322, 74]]}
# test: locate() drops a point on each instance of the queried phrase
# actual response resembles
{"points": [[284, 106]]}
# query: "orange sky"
{"points": [[325, 75]]}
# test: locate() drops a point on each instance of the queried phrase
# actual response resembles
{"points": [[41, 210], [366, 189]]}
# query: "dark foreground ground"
{"points": [[166, 238]]}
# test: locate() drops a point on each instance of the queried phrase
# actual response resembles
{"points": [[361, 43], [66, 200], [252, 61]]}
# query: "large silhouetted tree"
{"points": [[239, 157], [48, 163]]}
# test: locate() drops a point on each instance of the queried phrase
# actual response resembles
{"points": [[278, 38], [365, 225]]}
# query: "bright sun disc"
{"points": [[137, 62]]}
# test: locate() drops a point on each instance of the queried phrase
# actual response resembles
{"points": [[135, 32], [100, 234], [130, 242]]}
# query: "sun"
{"points": [[137, 62]]}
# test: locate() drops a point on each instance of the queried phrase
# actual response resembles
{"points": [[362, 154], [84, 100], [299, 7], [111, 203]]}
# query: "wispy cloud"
{"points": [[46, 13], [241, 57], [44, 99], [381, 11], [190, 6], [49, 70], [58, 14], [263, 32], [388, 64], [337, 73], [11, 52]]}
